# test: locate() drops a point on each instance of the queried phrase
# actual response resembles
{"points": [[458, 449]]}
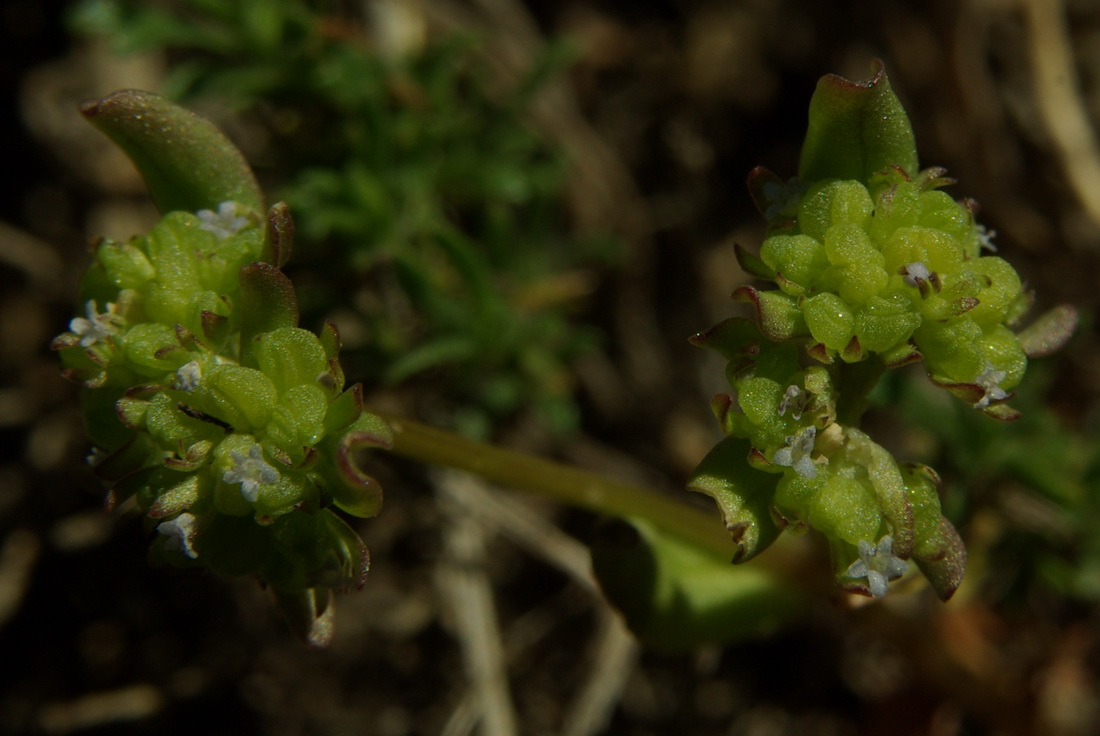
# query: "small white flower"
{"points": [[250, 472], [989, 381], [95, 327], [223, 223], [188, 376], [878, 564], [985, 238], [181, 533], [921, 277], [914, 273], [795, 399], [796, 453]]}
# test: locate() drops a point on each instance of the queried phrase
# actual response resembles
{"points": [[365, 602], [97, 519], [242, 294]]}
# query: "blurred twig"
{"points": [[464, 581], [1062, 109], [613, 651]]}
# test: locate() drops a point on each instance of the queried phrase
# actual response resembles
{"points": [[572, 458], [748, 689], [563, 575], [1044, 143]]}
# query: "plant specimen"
{"points": [[231, 429]]}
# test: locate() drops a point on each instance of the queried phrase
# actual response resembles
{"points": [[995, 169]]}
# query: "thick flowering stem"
{"points": [[562, 483], [663, 564]]}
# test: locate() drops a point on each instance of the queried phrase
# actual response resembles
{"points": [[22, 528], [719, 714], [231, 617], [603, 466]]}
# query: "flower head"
{"points": [[796, 453], [796, 399], [918, 275], [95, 327], [878, 564], [985, 238], [188, 376], [181, 533], [223, 223], [250, 472], [989, 381], [914, 273]]}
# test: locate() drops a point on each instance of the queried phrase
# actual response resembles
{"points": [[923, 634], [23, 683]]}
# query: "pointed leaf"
{"points": [[752, 264], [735, 339], [946, 573], [777, 314], [278, 236], [268, 302], [344, 409], [855, 130], [744, 495], [761, 178], [1049, 332], [903, 354], [354, 491], [186, 161]]}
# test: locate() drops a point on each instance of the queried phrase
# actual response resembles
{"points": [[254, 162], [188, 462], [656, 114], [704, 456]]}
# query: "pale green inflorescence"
{"points": [[897, 270], [869, 276], [233, 440], [874, 267]]}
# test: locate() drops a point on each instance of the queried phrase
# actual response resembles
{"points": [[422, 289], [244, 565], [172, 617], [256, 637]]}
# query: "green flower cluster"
{"points": [[208, 407], [787, 463], [892, 268], [874, 267]]}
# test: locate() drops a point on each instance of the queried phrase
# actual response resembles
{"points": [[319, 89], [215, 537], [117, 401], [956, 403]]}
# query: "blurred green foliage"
{"points": [[426, 207]]}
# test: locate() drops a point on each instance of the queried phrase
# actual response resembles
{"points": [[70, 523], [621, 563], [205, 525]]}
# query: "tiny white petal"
{"points": [[914, 273], [223, 223], [989, 381], [877, 583], [805, 467], [797, 453], [181, 533], [985, 238], [188, 376], [795, 399], [250, 472], [878, 564], [95, 327]]}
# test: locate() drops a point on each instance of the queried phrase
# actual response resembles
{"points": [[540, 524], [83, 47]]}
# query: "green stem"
{"points": [[560, 482]]}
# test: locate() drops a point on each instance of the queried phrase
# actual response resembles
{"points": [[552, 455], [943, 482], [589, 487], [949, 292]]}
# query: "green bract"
{"points": [[873, 267], [223, 421]]}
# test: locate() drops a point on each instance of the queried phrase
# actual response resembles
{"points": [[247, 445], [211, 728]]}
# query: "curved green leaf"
{"points": [[676, 596], [743, 494], [856, 129], [186, 161]]}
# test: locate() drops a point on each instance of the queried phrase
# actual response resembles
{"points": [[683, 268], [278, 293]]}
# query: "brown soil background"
{"points": [[472, 621]]}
